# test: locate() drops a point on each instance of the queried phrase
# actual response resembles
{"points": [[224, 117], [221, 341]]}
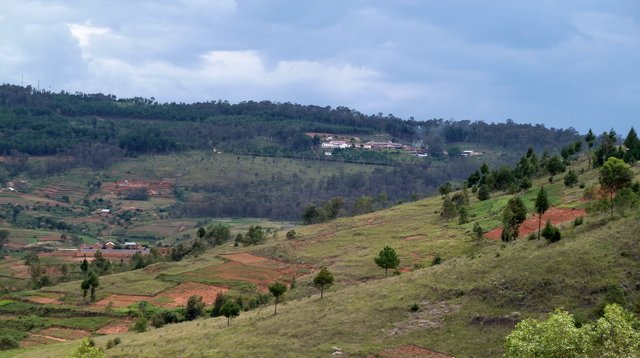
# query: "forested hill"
{"points": [[45, 123], [97, 131]]}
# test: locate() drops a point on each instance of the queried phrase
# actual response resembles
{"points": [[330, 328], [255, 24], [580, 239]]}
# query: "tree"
{"points": [[217, 234], [277, 289], [445, 189], [84, 266], [87, 349], [194, 309], [478, 230], [85, 286], [633, 146], [386, 259], [90, 282], [615, 174], [323, 279], [542, 205], [310, 215], [555, 165], [4, 238], [590, 138], [463, 213], [483, 192], [221, 298], [571, 178], [626, 198], [230, 309], [448, 208], [512, 216]]}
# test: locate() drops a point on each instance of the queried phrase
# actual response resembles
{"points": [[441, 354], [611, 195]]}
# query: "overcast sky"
{"points": [[561, 63]]}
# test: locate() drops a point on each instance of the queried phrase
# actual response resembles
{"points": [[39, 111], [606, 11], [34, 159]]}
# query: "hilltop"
{"points": [[465, 302]]}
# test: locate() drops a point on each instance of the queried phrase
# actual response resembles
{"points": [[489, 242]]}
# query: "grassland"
{"points": [[198, 168], [467, 304]]}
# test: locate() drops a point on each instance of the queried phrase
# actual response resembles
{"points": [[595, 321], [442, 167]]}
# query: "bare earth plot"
{"points": [[556, 215]]}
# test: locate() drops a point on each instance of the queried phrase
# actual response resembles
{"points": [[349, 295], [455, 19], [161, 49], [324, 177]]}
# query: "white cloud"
{"points": [[84, 32]]}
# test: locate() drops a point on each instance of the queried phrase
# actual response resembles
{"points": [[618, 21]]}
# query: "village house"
{"points": [[335, 144]]}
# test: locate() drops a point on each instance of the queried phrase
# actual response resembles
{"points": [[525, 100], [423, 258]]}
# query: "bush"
{"points": [[113, 342], [291, 234], [570, 179], [578, 221], [8, 342], [415, 307], [437, 260], [157, 320], [551, 233], [140, 325], [195, 308]]}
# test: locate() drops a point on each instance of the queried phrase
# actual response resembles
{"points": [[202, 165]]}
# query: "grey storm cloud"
{"points": [[561, 63]]}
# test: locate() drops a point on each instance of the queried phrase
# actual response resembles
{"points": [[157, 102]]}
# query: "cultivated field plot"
{"points": [[162, 228], [73, 191], [116, 327], [557, 216], [28, 236], [173, 297], [179, 295], [120, 301], [12, 267], [247, 268], [45, 298]]}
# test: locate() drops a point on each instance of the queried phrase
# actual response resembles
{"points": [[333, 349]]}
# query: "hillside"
{"points": [[466, 304], [251, 157]]}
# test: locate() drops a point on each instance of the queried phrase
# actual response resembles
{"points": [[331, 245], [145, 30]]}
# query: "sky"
{"points": [[563, 63]]}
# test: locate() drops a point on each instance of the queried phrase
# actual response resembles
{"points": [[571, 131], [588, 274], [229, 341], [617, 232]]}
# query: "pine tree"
{"points": [[387, 258]]}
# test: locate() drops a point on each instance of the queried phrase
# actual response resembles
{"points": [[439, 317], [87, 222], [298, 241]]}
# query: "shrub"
{"points": [[437, 260], [157, 320], [291, 234], [578, 221], [8, 342], [551, 233], [140, 325], [415, 307], [195, 308]]}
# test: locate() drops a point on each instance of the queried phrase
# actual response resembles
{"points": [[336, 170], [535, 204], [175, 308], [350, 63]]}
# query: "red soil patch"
{"points": [[411, 350], [181, 293], [556, 215], [120, 301], [246, 267], [20, 270], [249, 259], [116, 327]]}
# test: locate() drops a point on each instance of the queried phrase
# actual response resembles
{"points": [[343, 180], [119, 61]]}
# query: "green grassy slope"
{"points": [[467, 304]]}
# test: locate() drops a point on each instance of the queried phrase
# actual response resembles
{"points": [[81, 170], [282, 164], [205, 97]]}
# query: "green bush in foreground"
{"points": [[616, 334], [87, 349]]}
